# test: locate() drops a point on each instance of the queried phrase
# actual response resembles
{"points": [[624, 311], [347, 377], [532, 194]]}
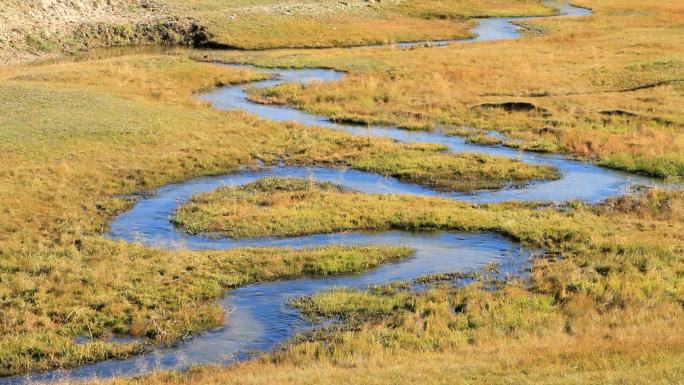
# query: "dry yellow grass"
{"points": [[307, 23], [637, 359], [607, 86], [76, 136], [29, 31], [450, 9], [164, 78], [610, 311]]}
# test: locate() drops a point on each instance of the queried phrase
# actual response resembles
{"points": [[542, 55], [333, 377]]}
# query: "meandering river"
{"points": [[260, 318]]}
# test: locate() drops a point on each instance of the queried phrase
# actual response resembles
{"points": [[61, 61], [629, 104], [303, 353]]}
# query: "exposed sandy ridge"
{"points": [[36, 29]]}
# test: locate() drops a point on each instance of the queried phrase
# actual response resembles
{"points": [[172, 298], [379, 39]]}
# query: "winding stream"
{"points": [[260, 317]]}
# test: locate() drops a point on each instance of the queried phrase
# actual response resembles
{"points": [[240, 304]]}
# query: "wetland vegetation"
{"points": [[613, 93], [131, 117], [606, 296], [82, 141]]}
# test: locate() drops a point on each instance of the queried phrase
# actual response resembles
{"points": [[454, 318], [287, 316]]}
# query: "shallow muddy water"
{"points": [[260, 318]]}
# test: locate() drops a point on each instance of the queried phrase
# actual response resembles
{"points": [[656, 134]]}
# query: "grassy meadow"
{"points": [[262, 24], [604, 303], [79, 137], [31, 31], [606, 87], [604, 306]]}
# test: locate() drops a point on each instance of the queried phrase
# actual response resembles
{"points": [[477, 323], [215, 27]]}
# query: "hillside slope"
{"points": [[37, 29], [43, 28]]}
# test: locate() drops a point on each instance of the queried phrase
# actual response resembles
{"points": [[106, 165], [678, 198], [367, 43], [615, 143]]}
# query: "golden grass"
{"points": [[565, 365], [449, 9], [610, 311], [265, 31], [165, 78], [118, 289], [76, 137], [580, 74], [318, 24]]}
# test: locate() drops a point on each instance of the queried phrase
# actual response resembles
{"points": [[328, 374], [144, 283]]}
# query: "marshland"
{"points": [[258, 191]]}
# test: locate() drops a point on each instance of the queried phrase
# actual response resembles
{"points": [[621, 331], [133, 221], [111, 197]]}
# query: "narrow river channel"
{"points": [[260, 318]]}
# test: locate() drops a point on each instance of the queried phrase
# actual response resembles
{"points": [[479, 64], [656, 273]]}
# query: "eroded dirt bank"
{"points": [[40, 29]]}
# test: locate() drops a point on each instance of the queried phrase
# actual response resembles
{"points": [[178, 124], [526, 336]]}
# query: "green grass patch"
{"points": [[103, 288], [77, 136]]}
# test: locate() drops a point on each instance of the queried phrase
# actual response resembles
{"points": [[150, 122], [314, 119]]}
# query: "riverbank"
{"points": [[609, 310], [52, 28], [612, 92], [31, 31], [87, 142], [80, 140]]}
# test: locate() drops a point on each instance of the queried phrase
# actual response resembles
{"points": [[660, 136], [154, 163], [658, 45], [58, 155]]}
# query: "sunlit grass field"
{"points": [[30, 31], [328, 23], [77, 137], [606, 87], [79, 140], [604, 306]]}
